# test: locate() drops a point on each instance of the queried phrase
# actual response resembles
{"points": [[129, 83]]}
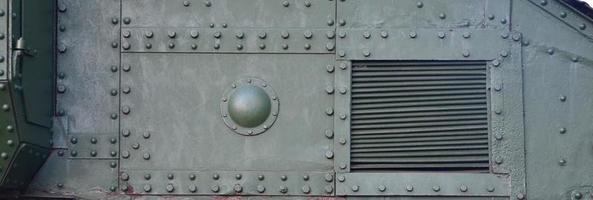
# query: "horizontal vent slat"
{"points": [[419, 116], [478, 152]]}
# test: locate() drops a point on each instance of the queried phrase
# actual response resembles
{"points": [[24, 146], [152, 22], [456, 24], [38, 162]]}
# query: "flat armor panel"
{"points": [[173, 112]]}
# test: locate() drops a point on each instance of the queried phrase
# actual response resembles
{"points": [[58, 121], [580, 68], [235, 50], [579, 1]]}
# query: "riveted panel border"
{"points": [[229, 13], [199, 40], [307, 183], [566, 15], [419, 44], [342, 116], [4, 39], [391, 14], [422, 184], [88, 65]]}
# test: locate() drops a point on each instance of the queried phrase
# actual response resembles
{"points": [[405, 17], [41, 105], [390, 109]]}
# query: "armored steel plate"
{"points": [[178, 125]]}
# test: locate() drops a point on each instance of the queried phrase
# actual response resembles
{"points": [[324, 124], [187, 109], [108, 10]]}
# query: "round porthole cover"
{"points": [[249, 106]]}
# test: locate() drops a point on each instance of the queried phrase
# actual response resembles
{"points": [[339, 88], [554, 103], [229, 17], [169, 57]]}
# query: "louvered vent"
{"points": [[419, 116]]}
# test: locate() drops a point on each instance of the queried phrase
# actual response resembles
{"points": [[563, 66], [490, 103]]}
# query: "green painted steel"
{"points": [[292, 99], [28, 94]]}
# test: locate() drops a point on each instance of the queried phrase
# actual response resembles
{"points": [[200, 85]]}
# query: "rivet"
{"points": [[125, 177], [366, 35], [384, 34], [496, 63], [520, 196], [466, 53], [498, 111], [503, 21], [409, 188], [550, 51], [498, 160], [355, 188], [306, 177], [504, 35], [307, 46], [112, 188], [215, 188], [147, 176], [135, 146], [562, 98], [563, 14], [186, 3], [466, 35], [342, 34], [285, 46], [73, 153], [207, 3], [261, 189], [192, 177], [490, 189], [61, 89], [147, 188], [442, 16], [342, 22], [343, 165], [329, 189], [238, 188], [343, 116], [170, 188], [498, 136], [239, 47], [126, 90], [127, 20], [283, 177], [329, 111], [113, 164], [61, 153], [366, 53], [562, 162], [62, 8], [562, 130], [463, 188], [262, 46], [504, 53], [113, 153], [436, 188], [9, 128], [574, 59], [146, 135], [577, 195], [330, 34], [217, 34], [329, 134], [170, 176], [148, 46], [330, 68], [306, 189], [497, 88], [330, 22], [4, 155], [329, 177], [381, 188], [114, 44], [262, 35], [73, 140], [342, 141], [341, 178], [419, 4], [491, 17], [211, 25], [441, 35], [308, 34], [285, 34], [192, 188], [330, 46], [62, 49], [125, 154], [10, 143], [543, 2], [238, 176], [285, 4], [215, 176], [146, 156], [329, 154], [283, 189], [413, 34], [516, 37]]}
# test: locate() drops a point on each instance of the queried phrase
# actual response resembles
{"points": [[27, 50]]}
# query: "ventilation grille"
{"points": [[419, 117]]}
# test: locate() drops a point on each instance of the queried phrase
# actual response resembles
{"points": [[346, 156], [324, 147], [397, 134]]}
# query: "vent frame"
{"points": [[406, 93]]}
